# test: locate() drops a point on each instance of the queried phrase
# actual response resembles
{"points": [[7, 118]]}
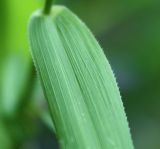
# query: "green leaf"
{"points": [[78, 82], [15, 76]]}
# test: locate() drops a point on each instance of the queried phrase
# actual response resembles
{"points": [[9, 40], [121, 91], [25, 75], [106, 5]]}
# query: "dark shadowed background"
{"points": [[129, 33]]}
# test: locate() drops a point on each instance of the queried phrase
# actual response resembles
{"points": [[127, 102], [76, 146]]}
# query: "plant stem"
{"points": [[47, 7]]}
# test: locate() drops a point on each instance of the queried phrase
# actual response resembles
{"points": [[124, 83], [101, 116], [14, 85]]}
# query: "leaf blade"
{"points": [[86, 108]]}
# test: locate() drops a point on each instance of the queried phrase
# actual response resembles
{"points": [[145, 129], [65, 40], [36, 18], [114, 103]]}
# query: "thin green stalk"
{"points": [[47, 7]]}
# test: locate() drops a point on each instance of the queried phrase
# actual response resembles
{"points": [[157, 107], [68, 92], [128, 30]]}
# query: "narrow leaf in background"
{"points": [[15, 77]]}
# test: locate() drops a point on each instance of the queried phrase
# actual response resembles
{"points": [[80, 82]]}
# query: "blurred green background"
{"points": [[128, 31]]}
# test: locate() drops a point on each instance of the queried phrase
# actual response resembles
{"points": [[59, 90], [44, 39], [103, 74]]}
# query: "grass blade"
{"points": [[82, 93]]}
